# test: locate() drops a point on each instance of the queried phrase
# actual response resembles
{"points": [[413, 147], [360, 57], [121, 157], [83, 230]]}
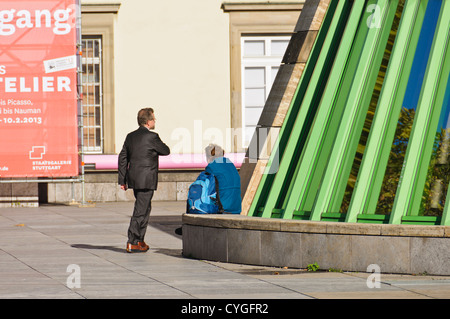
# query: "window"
{"points": [[92, 103], [261, 59]]}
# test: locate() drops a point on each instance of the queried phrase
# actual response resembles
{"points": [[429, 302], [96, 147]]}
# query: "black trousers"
{"points": [[141, 214]]}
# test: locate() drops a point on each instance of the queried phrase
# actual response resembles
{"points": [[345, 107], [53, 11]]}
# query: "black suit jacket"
{"points": [[138, 160]]}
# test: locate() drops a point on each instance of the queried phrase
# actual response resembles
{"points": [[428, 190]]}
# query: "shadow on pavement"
{"points": [[86, 246]]}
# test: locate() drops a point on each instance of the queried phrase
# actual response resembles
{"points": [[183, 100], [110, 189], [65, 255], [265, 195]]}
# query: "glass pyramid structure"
{"points": [[367, 135]]}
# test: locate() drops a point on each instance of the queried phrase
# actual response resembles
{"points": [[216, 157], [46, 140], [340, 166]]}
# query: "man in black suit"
{"points": [[138, 169]]}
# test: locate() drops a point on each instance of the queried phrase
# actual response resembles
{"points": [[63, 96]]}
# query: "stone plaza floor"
{"points": [[72, 252]]}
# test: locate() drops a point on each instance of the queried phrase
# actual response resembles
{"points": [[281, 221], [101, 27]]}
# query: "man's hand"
{"points": [[123, 187]]}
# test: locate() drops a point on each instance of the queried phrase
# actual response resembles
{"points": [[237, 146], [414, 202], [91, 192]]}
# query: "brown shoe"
{"points": [[143, 245], [135, 248]]}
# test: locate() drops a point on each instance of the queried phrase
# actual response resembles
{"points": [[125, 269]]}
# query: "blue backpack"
{"points": [[202, 196]]}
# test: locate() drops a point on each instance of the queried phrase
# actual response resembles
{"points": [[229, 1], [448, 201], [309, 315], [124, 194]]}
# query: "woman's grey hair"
{"points": [[213, 151]]}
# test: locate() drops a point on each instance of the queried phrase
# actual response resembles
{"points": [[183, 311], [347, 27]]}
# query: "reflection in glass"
{"points": [[408, 111]]}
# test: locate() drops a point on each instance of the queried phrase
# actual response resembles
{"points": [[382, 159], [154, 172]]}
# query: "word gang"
{"points": [[10, 21]]}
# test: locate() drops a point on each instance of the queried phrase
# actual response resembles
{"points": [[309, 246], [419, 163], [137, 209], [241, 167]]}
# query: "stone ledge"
{"points": [[258, 223], [403, 249]]}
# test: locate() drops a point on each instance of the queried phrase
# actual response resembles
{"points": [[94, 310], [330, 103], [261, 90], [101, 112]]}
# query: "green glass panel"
{"points": [[317, 146], [376, 153], [407, 114], [264, 191], [332, 187], [371, 111]]}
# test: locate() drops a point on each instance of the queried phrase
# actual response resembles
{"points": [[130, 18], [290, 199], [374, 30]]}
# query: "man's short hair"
{"points": [[145, 115]]}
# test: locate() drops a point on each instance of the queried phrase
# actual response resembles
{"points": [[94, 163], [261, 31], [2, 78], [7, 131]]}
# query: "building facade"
{"points": [[205, 67]]}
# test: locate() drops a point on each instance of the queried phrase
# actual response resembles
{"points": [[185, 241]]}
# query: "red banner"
{"points": [[38, 88]]}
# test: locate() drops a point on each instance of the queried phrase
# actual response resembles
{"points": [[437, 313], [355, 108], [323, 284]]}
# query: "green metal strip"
{"points": [[344, 35], [446, 213], [421, 220], [303, 215], [317, 145], [333, 217], [373, 218], [355, 107], [286, 164], [386, 115], [267, 178], [294, 109], [416, 147], [313, 99]]}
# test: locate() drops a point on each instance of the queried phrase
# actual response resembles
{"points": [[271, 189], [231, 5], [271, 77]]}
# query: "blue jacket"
{"points": [[229, 184]]}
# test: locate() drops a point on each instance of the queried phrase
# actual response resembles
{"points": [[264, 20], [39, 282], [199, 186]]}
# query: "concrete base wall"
{"points": [[99, 186], [403, 249], [19, 195], [103, 187]]}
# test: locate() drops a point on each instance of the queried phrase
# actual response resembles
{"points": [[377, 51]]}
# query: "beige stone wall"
{"points": [[172, 56], [181, 58]]}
